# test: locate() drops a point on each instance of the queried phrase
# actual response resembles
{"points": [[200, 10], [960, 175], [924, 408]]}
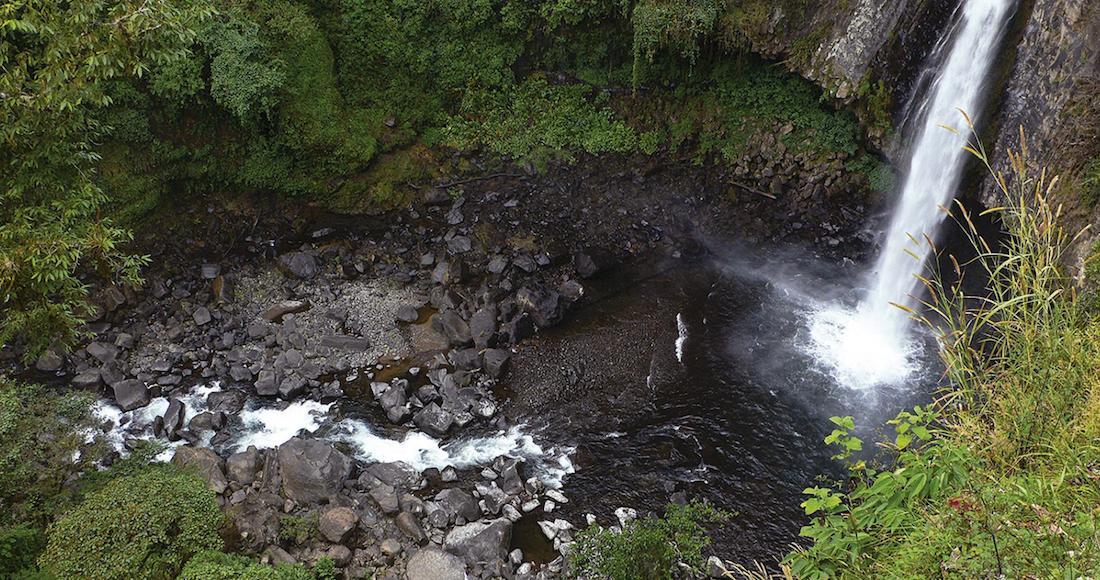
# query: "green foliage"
{"points": [[877, 101], [1090, 182], [880, 176], [536, 121], [40, 435], [999, 479], [648, 548], [245, 77], [756, 97], [145, 525], [298, 529], [58, 60], [214, 565]]}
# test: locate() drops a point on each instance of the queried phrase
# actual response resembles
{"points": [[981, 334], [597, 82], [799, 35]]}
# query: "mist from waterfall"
{"points": [[873, 343]]}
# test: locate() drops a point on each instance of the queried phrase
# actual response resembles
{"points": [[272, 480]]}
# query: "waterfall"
{"points": [[872, 343]]}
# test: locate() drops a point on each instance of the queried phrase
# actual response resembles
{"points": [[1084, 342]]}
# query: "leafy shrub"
{"points": [[41, 435], [145, 525], [537, 121], [60, 59], [298, 529], [648, 548]]}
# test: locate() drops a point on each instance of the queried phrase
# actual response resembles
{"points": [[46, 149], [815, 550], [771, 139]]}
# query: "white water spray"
{"points": [[872, 344]]}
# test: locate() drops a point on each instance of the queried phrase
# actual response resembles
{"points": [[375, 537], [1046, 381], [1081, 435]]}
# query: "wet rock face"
{"points": [[312, 471]]}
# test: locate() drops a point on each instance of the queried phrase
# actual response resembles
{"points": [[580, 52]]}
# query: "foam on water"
{"points": [[858, 351], [682, 332], [270, 427], [421, 451], [267, 427], [138, 424]]}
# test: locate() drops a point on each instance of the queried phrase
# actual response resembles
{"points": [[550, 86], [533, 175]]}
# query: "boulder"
{"points": [[483, 327], [204, 462], [241, 467], [451, 325], [276, 314], [458, 503], [299, 265], [86, 380], [434, 420], [393, 402], [102, 351], [385, 496], [495, 361], [435, 564], [397, 474], [201, 315], [312, 471], [344, 342], [173, 419], [291, 387], [406, 313], [266, 383], [230, 401], [256, 520], [410, 526], [482, 541], [542, 304], [448, 272], [49, 362], [335, 524], [131, 394]]}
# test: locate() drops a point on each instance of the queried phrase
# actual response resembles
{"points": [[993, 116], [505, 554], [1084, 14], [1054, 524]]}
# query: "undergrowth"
{"points": [[1001, 476]]}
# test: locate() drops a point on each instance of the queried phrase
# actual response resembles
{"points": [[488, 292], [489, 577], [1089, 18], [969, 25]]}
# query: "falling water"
{"points": [[872, 343]]}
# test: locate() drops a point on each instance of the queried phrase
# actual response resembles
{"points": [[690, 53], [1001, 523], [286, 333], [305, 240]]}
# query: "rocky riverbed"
{"points": [[350, 387]]}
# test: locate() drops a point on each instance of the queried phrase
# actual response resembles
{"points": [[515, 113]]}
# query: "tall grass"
{"points": [[1020, 357], [1005, 480]]}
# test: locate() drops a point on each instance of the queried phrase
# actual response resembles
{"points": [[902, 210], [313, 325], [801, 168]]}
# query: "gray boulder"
{"points": [[495, 361], [299, 265], [173, 419], [131, 394], [312, 471], [201, 315], [86, 379], [393, 402], [276, 313], [434, 420], [206, 463], [435, 564], [267, 384], [256, 520], [458, 503], [451, 325], [483, 326], [482, 541], [335, 524], [102, 351], [241, 467], [49, 362]]}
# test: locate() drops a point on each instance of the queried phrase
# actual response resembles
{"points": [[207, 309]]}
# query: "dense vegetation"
{"points": [[998, 478], [650, 547], [110, 110]]}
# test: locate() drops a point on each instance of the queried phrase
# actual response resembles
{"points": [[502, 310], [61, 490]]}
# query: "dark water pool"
{"points": [[693, 384]]}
